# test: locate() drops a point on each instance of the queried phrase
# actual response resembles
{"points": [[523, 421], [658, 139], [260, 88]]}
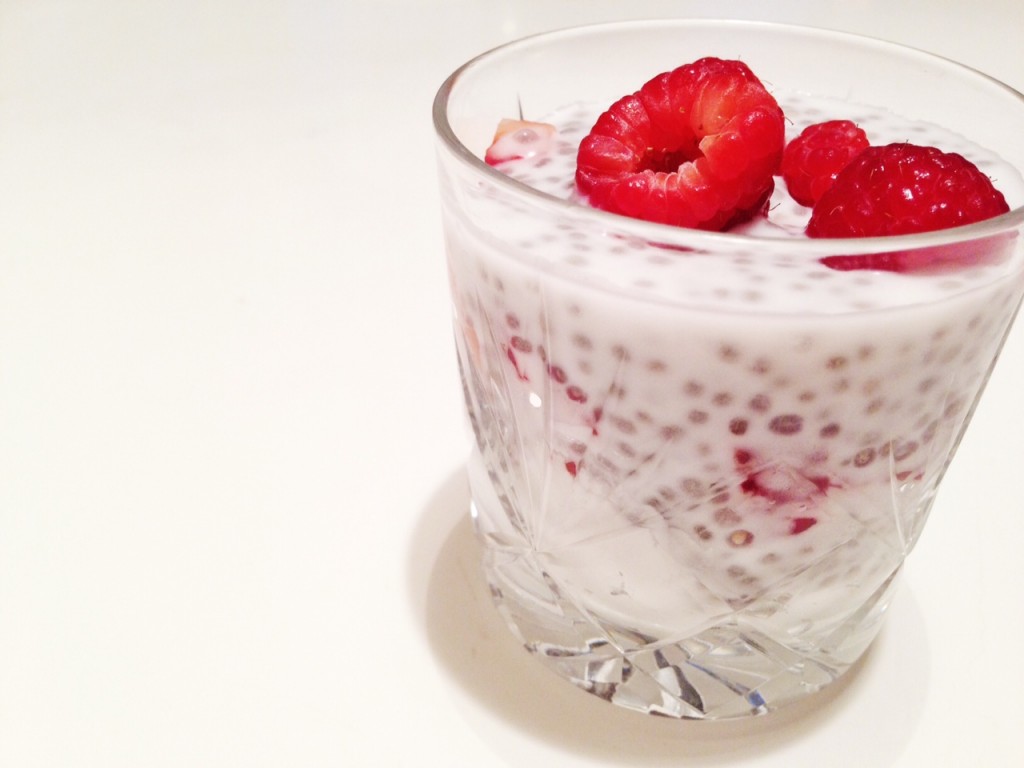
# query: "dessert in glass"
{"points": [[705, 441]]}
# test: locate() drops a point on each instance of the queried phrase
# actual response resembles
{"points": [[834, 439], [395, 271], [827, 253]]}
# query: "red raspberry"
{"points": [[694, 147], [903, 189], [811, 161]]}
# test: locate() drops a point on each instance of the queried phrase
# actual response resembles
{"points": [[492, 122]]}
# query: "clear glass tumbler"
{"points": [[701, 458]]}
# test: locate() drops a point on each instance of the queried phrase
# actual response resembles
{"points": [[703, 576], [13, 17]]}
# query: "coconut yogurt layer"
{"points": [[678, 437]]}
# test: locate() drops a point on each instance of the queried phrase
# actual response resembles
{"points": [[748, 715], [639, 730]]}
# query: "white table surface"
{"points": [[233, 522]]}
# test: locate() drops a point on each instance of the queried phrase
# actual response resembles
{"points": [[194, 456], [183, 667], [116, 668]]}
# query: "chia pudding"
{"points": [[723, 445]]}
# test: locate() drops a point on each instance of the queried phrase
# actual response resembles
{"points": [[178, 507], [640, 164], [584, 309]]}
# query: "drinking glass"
{"points": [[701, 458]]}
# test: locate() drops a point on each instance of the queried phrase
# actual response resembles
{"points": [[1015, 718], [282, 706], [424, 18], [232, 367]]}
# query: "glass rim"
{"points": [[709, 240]]}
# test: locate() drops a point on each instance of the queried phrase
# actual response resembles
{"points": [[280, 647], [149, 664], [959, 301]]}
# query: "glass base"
{"points": [[725, 671]]}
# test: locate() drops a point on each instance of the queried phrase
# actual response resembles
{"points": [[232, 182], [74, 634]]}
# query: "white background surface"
{"points": [[232, 517]]}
